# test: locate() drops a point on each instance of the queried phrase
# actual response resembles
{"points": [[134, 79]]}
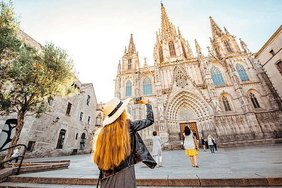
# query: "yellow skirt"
{"points": [[191, 152]]}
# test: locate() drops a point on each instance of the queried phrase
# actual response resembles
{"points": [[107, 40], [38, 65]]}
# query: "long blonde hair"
{"points": [[112, 144]]}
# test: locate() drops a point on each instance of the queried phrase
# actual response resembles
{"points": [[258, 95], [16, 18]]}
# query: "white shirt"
{"points": [[189, 141], [157, 148], [210, 142]]}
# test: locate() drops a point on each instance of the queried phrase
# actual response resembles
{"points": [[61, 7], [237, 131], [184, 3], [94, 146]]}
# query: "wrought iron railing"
{"points": [[21, 157]]}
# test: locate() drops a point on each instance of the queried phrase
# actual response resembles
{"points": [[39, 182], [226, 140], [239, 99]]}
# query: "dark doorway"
{"points": [[61, 139]]}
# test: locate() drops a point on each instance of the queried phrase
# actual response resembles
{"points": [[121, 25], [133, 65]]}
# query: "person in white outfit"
{"points": [[157, 149], [191, 146], [211, 143]]}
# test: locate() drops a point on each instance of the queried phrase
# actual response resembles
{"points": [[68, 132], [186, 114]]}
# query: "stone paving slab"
{"points": [[244, 166], [250, 162], [30, 185]]}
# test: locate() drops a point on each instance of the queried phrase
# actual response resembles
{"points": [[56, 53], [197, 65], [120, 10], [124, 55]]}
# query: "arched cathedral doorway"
{"points": [[186, 108]]}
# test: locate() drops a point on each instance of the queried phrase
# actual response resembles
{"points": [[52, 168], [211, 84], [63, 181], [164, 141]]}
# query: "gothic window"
{"points": [[217, 77], [88, 100], [81, 116], [254, 100], [161, 54], [76, 136], [242, 72], [147, 86], [228, 47], [226, 103], [128, 89], [68, 109], [279, 66], [180, 78], [171, 49], [184, 52], [129, 64], [61, 139]]}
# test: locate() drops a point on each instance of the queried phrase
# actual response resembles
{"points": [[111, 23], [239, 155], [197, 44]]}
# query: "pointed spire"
{"points": [[190, 53], [119, 66], [226, 31], [125, 50], [131, 46], [157, 36], [179, 33], [244, 46], [198, 48], [145, 62], [211, 40], [167, 27], [216, 31]]}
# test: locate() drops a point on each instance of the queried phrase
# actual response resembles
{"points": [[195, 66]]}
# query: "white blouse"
{"points": [[189, 141]]}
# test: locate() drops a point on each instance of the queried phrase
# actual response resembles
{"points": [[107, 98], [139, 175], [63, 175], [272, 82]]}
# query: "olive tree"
{"points": [[28, 76]]}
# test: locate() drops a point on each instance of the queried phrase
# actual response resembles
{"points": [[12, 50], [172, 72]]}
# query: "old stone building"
{"points": [[223, 93], [66, 128], [270, 57]]}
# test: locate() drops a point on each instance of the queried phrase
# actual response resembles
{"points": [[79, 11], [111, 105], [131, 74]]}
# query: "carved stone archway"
{"points": [[199, 110]]}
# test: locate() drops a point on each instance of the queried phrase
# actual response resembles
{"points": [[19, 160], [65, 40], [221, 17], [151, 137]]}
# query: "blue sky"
{"points": [[94, 32]]}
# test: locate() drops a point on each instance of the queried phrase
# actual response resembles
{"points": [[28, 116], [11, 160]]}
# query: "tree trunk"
{"points": [[19, 127]]}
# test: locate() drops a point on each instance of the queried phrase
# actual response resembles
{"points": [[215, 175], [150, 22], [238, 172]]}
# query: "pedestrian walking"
{"points": [[117, 145], [215, 144], [157, 149], [191, 146], [210, 143], [203, 143]]}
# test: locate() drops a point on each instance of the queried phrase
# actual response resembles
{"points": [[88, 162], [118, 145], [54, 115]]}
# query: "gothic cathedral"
{"points": [[223, 94]]}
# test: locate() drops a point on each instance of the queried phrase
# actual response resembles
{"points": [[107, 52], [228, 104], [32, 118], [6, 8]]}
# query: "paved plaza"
{"points": [[226, 163], [250, 162]]}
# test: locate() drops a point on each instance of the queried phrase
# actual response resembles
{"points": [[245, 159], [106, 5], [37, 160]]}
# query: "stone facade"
{"points": [[223, 94], [270, 57], [66, 128], [59, 132]]}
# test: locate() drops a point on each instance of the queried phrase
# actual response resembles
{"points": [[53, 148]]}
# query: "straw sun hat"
{"points": [[113, 109]]}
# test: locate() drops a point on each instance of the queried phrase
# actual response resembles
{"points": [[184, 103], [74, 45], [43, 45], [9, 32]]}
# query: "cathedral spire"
{"points": [[244, 46], [226, 31], [119, 67], [216, 31], [131, 46], [179, 32], [167, 27], [198, 48]]}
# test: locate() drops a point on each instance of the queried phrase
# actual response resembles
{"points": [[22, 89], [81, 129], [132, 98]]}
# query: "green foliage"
{"points": [[29, 76], [9, 27]]}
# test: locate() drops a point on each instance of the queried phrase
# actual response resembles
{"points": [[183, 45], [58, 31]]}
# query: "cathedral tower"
{"points": [[130, 60], [127, 78], [170, 46], [223, 43]]}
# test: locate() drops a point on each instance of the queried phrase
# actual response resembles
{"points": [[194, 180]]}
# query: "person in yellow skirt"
{"points": [[191, 146]]}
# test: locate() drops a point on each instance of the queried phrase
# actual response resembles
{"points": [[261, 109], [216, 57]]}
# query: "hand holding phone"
{"points": [[140, 100]]}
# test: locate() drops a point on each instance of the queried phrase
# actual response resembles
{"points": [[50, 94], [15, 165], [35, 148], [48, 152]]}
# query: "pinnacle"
{"points": [[131, 46]]}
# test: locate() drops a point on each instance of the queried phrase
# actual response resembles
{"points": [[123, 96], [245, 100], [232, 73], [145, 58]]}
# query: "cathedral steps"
{"points": [[16, 181], [252, 142]]}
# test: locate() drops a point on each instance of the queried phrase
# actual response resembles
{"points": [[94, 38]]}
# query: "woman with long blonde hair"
{"points": [[114, 149]]}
